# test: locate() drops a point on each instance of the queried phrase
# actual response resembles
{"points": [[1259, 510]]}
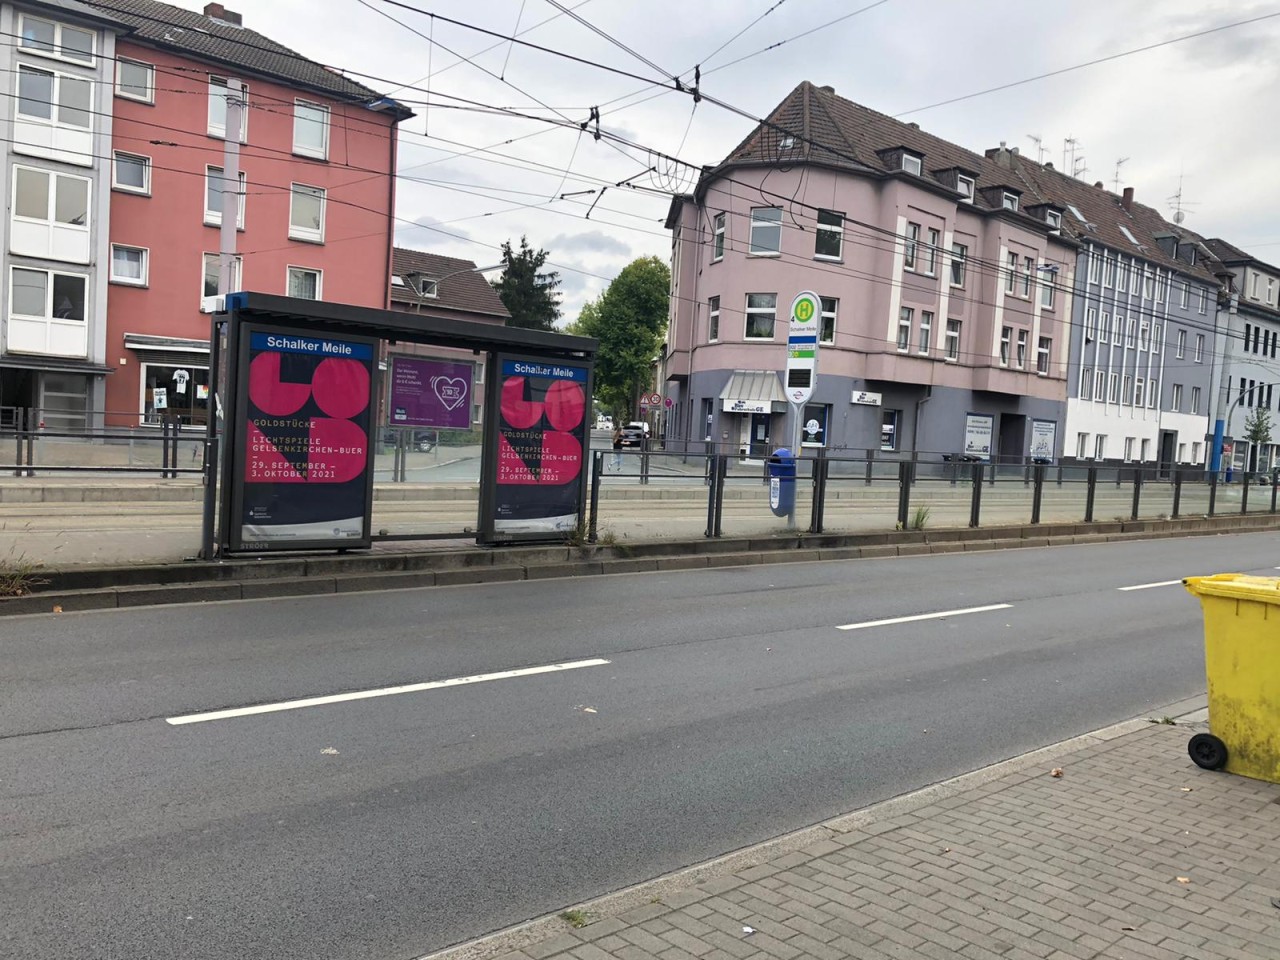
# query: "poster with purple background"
{"points": [[430, 393]]}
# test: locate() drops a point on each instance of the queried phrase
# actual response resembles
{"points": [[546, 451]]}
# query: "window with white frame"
{"points": [[306, 213], [1028, 266], [1144, 335], [830, 305], [1126, 389], [50, 215], [1100, 390], [713, 319], [1271, 291], [1054, 219], [953, 341], [911, 164], [1093, 265], [1021, 355], [1182, 453], [304, 282], [1146, 449], [1104, 329], [1195, 452], [57, 98], [1047, 278], [1153, 392], [1113, 388], [212, 268], [959, 257], [1148, 285], [717, 238], [1011, 273], [1128, 449], [1132, 339], [1195, 400], [1100, 447], [762, 312], [1082, 445], [214, 185], [911, 247], [1253, 288], [1090, 323], [47, 312], [1204, 299], [1157, 337], [766, 231], [931, 253], [1184, 294], [1108, 270], [828, 243], [310, 129], [135, 80], [1010, 201], [1086, 383], [59, 40], [1122, 276], [218, 93], [1006, 344], [131, 172], [966, 187], [1182, 344], [1162, 285], [129, 265], [1175, 402], [904, 329], [1043, 348], [1199, 358], [926, 332]]}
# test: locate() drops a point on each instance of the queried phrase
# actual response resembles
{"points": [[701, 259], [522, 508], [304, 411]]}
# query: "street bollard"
{"points": [[975, 501], [1177, 493], [1037, 491], [1091, 491], [597, 468], [1244, 492], [1213, 492], [904, 493], [1137, 492]]}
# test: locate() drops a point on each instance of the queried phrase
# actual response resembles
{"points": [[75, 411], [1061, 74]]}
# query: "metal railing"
{"points": [[41, 448]]}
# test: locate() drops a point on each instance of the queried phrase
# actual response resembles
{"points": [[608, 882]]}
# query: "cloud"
{"points": [[592, 241], [420, 234]]}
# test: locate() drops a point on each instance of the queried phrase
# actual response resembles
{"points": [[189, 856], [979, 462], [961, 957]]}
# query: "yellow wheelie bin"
{"points": [[1242, 664]]}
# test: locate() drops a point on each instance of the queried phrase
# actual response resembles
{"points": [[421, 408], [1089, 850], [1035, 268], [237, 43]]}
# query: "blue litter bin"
{"points": [[782, 482]]}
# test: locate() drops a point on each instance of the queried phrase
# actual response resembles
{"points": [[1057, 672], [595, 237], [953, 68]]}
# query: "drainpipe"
{"points": [[915, 427]]}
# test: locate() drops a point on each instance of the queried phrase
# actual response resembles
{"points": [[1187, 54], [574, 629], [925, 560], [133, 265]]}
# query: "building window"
{"points": [[1141, 385], [218, 109], [310, 129], [429, 288], [1128, 449], [1182, 344], [1195, 452], [889, 430], [931, 253], [1253, 290], [183, 392], [1104, 329], [1093, 265], [1144, 335], [1157, 335], [1100, 388], [828, 242], [1195, 400], [713, 319], [1100, 447], [904, 329], [953, 340], [1022, 350], [829, 307], [1086, 383], [926, 332], [1126, 389], [214, 185], [1204, 298], [966, 187], [1011, 273], [1122, 276], [1047, 277], [1043, 347], [129, 265], [1199, 358], [1082, 445], [814, 424], [212, 264], [1028, 265], [1006, 339], [50, 198], [1153, 392], [959, 256], [766, 231], [1175, 402], [1090, 323], [47, 313], [131, 173], [1108, 270], [1132, 341], [1146, 450], [911, 164], [135, 80], [60, 40], [306, 213], [762, 311], [1148, 285], [56, 98], [1010, 201], [305, 283], [1182, 453], [1113, 388], [910, 247], [717, 241], [1054, 219], [1184, 294]]}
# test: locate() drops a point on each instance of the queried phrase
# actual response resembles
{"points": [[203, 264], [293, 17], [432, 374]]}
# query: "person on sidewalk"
{"points": [[617, 448]]}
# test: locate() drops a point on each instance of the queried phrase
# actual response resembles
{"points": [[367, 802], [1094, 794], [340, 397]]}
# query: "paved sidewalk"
{"points": [[1132, 854]]}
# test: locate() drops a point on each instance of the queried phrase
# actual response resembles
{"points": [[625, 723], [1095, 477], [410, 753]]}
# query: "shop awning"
{"points": [[146, 341], [753, 391], [51, 365]]}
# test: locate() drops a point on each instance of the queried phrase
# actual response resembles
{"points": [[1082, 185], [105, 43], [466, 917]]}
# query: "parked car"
{"points": [[423, 440], [633, 436], [640, 425]]}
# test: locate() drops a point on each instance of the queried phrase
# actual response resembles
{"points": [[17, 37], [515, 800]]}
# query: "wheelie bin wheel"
{"points": [[1207, 751]]}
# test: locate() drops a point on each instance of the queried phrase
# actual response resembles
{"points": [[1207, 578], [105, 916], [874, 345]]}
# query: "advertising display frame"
{"points": [[492, 496]]}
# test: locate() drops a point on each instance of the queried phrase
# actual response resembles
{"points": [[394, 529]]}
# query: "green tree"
{"points": [[1257, 430], [587, 318], [629, 320], [529, 294]]}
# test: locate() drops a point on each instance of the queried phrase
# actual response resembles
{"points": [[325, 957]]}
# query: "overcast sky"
{"points": [[1203, 110]]}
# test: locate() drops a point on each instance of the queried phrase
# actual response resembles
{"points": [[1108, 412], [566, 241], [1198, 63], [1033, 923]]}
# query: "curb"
{"points": [[669, 887]]}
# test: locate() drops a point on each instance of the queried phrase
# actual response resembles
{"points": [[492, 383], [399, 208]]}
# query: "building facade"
{"points": [[56, 128]]}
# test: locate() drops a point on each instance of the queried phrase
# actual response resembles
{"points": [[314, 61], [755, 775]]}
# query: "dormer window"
{"points": [[966, 186], [429, 288], [1009, 201], [911, 164], [787, 143], [1054, 219]]}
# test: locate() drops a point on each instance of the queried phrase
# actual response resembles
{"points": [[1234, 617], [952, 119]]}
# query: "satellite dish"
{"points": [[1179, 217]]}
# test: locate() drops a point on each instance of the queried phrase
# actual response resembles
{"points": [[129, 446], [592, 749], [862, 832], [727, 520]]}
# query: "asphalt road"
{"points": [[731, 709]]}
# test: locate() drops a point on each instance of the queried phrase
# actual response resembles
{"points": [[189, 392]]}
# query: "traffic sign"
{"points": [[802, 346]]}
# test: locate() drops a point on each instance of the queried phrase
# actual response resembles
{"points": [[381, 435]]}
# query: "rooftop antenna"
{"points": [[1069, 145], [1120, 162], [1177, 203], [1039, 142], [1078, 166]]}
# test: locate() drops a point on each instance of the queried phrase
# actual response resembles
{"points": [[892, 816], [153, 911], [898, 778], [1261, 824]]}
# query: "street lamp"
{"points": [[435, 282]]}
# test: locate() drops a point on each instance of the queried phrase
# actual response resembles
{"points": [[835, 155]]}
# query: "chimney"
{"points": [[827, 89], [217, 11], [1048, 164], [1127, 200], [1097, 185]]}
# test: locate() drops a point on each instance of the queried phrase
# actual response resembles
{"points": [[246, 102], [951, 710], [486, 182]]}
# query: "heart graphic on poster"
{"points": [[451, 391]]}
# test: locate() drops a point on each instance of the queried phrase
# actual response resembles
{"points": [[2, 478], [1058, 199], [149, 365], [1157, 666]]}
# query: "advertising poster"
{"points": [[977, 435], [541, 436], [1044, 436], [430, 393], [306, 407]]}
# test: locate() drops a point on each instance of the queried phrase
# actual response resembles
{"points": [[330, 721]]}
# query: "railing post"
{"points": [[975, 500], [1244, 492], [164, 447], [644, 460], [1091, 491], [597, 467], [33, 428], [1037, 491], [1177, 493], [1275, 479], [1137, 492], [721, 473], [19, 426], [208, 548], [1213, 492], [904, 493], [709, 471], [819, 490], [871, 462], [713, 480]]}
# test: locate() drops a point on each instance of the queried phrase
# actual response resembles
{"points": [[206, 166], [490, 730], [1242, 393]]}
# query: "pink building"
{"points": [[944, 283], [317, 161]]}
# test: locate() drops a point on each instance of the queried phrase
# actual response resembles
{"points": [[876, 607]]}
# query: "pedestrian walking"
{"points": [[617, 448]]}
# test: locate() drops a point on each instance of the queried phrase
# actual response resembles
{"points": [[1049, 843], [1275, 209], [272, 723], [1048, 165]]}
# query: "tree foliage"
{"points": [[1257, 426], [528, 293]]}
